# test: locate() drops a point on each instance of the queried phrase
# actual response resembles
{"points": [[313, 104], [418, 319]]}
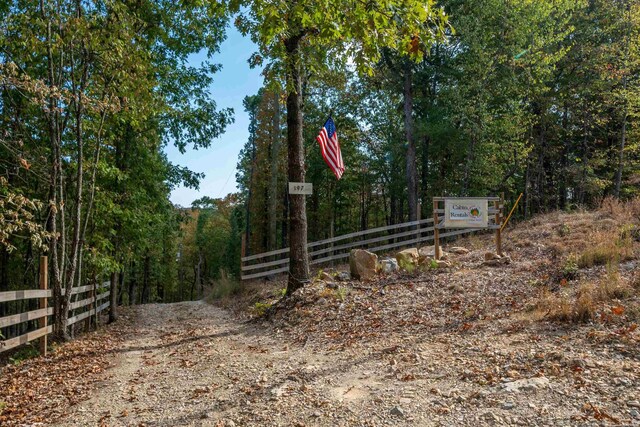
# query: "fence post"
{"points": [[436, 231], [243, 249], [44, 285]]}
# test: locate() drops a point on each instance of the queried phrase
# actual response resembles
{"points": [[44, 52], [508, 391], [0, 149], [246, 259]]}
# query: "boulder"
{"points": [[407, 258], [442, 263], [388, 265], [362, 264], [458, 250], [495, 260], [428, 251]]}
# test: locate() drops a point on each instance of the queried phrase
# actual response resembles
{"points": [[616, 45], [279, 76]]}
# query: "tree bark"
{"points": [[113, 298], [623, 135], [273, 181], [298, 255], [412, 172]]}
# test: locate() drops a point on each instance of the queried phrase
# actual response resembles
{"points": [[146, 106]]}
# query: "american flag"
{"points": [[330, 148]]}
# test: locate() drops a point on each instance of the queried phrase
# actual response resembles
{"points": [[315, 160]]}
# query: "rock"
{"points": [[458, 250], [362, 264], [634, 413], [388, 265], [396, 411], [343, 276], [325, 276], [489, 256], [428, 252], [440, 263], [495, 260], [527, 384], [633, 404], [407, 258], [508, 405]]}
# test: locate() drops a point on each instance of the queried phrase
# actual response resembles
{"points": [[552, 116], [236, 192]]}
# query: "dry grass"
{"points": [[582, 302], [580, 243]]}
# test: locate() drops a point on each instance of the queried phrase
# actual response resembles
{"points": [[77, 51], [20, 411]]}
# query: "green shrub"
{"points": [[260, 308]]}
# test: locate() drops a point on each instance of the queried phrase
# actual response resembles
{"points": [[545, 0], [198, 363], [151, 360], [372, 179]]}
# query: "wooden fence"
{"points": [[378, 240], [87, 301]]}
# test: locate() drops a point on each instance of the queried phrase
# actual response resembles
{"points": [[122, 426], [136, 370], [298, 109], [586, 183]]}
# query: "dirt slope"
{"points": [[470, 345]]}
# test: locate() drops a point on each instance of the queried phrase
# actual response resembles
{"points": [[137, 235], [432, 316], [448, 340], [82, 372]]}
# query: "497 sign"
{"points": [[305, 188]]}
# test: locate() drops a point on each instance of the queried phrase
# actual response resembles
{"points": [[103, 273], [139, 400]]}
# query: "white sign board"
{"points": [[300, 188], [466, 213]]}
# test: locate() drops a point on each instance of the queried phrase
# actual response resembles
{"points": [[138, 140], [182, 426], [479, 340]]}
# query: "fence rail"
{"points": [[93, 295], [323, 251]]}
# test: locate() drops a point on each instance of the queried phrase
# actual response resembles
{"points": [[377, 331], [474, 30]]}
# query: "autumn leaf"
{"points": [[618, 310]]}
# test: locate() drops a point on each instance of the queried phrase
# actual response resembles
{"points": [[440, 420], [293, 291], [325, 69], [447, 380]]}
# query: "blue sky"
{"points": [[230, 85]]}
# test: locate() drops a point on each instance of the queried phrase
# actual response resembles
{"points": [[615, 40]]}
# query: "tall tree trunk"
{"points": [[425, 177], [113, 298], [623, 135], [273, 179], [298, 255], [144, 295], [285, 219], [412, 172], [132, 284]]}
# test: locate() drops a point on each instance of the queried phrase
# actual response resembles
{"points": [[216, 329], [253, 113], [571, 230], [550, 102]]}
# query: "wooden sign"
{"points": [[305, 188], [466, 213]]}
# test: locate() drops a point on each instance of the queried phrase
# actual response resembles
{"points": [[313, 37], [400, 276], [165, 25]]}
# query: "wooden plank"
{"points": [[25, 294], [370, 231], [81, 303], [23, 339], [265, 254], [103, 295], [264, 273], [103, 306], [374, 240], [491, 211], [265, 264], [375, 249], [491, 199], [75, 319], [338, 248], [25, 317], [82, 316], [342, 237], [87, 288]]}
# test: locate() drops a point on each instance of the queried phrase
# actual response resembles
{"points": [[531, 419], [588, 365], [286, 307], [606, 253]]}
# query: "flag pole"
{"points": [[329, 116]]}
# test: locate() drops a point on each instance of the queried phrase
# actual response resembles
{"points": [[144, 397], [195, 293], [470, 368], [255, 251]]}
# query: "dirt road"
{"points": [[190, 364]]}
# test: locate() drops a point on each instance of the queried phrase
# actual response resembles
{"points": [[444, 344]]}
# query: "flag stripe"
{"points": [[330, 148]]}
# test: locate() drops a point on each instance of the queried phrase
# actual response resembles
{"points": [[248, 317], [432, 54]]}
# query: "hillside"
{"points": [[548, 339]]}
